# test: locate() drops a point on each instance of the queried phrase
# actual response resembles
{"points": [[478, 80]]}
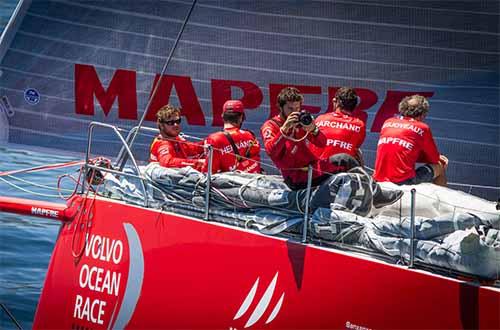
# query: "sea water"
{"points": [[26, 243]]}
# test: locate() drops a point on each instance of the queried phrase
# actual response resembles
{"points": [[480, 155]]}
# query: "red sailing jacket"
{"points": [[403, 142], [175, 152], [344, 134], [292, 158], [224, 157]]}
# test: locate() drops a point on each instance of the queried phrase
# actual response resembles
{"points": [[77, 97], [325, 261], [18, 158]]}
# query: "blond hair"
{"points": [[167, 111]]}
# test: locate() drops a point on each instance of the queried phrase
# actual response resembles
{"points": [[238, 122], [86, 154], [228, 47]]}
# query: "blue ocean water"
{"points": [[26, 243]]}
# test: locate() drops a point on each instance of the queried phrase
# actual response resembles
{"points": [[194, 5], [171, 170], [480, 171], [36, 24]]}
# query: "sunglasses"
{"points": [[171, 122]]}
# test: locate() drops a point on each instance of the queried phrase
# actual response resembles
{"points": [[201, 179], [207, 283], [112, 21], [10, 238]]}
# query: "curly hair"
{"points": [[289, 94], [347, 98], [414, 106], [167, 111]]}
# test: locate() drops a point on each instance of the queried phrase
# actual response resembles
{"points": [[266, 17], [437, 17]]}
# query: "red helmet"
{"points": [[234, 106]]}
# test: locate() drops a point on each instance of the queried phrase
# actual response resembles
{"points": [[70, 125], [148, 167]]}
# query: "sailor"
{"points": [[287, 139], [234, 148], [406, 140], [168, 148], [344, 133]]}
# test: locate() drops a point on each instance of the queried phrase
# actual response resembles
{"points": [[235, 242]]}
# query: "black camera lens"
{"points": [[305, 118]]}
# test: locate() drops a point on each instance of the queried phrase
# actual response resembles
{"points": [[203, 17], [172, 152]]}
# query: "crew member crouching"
{"points": [[288, 138], [405, 141], [344, 133]]}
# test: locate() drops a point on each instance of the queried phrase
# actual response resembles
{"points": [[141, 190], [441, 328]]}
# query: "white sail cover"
{"points": [[66, 63]]}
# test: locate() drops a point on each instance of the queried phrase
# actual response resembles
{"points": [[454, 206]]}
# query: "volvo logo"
{"points": [[262, 305]]}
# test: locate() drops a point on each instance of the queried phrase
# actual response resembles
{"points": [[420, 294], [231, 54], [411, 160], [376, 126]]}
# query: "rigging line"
{"points": [[36, 184], [43, 167], [26, 190], [156, 88], [472, 185], [12, 318]]}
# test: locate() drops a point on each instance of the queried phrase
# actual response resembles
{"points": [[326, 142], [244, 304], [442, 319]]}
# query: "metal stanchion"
{"points": [[306, 210], [209, 181], [412, 228]]}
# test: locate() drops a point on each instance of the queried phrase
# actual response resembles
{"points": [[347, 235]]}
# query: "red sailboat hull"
{"points": [[142, 268]]}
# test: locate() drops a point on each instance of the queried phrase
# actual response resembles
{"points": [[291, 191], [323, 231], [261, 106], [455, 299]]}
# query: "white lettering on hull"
{"points": [[93, 279], [102, 248], [44, 212], [98, 279], [92, 311]]}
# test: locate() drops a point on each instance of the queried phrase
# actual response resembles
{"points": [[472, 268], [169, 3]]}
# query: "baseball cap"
{"points": [[234, 106]]}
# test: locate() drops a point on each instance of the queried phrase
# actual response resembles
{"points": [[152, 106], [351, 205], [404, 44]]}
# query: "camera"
{"points": [[305, 118]]}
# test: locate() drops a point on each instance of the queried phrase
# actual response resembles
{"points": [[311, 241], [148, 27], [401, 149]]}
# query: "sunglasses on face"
{"points": [[171, 122]]}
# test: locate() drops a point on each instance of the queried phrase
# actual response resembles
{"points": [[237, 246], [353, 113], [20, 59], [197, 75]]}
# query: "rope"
{"points": [[289, 137], [43, 167], [36, 184], [12, 318], [26, 190], [473, 185], [73, 192]]}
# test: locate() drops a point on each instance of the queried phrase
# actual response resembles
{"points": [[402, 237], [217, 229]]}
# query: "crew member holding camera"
{"points": [[344, 133], [287, 137]]}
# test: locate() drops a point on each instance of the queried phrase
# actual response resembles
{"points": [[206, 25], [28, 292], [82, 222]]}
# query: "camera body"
{"points": [[305, 118]]}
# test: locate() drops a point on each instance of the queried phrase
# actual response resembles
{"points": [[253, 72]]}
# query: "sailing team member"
{"points": [[234, 148], [344, 133], [168, 148], [406, 140], [287, 138]]}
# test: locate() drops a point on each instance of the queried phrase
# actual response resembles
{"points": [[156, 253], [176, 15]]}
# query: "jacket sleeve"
{"points": [[167, 157], [430, 153], [255, 150], [216, 156], [274, 141], [318, 140], [361, 136], [194, 149]]}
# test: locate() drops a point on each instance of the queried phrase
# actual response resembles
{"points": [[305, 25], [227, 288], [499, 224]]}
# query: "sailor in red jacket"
{"points": [[287, 138], [234, 148], [344, 133], [168, 148], [405, 141]]}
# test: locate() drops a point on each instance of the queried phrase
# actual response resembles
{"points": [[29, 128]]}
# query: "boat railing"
{"points": [[131, 134], [125, 146], [412, 227], [134, 131], [415, 201]]}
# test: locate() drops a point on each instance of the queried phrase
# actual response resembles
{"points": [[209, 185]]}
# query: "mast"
{"points": [[122, 155]]}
